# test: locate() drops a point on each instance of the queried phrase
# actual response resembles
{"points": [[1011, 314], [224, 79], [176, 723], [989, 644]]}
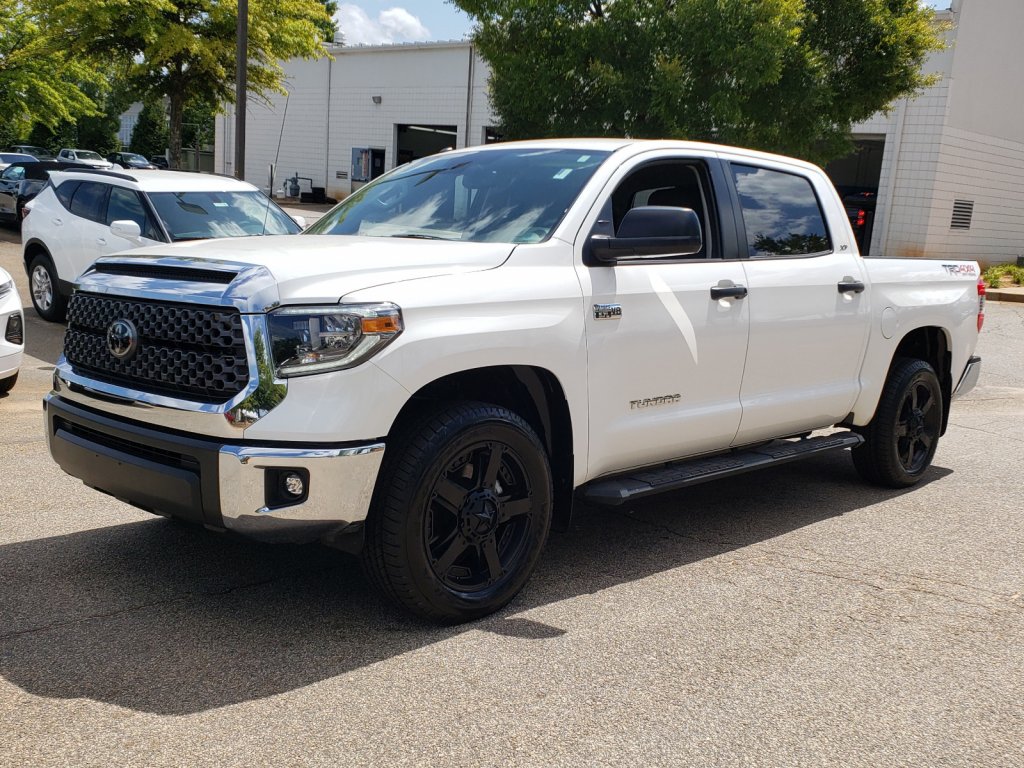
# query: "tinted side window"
{"points": [[89, 200], [14, 173], [781, 213], [65, 191], [680, 184]]}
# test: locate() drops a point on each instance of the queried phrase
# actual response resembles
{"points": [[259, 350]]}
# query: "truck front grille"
{"points": [[186, 351]]}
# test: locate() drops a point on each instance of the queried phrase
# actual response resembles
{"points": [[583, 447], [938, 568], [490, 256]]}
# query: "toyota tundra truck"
{"points": [[435, 371]]}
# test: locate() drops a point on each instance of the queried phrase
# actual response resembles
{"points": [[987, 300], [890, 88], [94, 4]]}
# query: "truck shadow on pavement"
{"points": [[164, 618]]}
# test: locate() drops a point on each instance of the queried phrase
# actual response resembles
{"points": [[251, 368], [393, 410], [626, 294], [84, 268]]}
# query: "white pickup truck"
{"points": [[434, 371]]}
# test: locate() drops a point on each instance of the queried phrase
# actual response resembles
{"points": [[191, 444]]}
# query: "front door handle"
{"points": [[851, 286], [101, 241], [57, 222], [728, 292]]}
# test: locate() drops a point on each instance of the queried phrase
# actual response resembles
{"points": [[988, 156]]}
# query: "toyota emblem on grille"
{"points": [[122, 339]]}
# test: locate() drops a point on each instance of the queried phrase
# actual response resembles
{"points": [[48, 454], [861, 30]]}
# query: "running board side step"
{"points": [[638, 484]]}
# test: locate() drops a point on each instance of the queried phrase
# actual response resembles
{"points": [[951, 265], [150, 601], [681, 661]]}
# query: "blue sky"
{"points": [[385, 21]]}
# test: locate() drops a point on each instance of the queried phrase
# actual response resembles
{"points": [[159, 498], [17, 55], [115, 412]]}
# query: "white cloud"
{"points": [[393, 25]]}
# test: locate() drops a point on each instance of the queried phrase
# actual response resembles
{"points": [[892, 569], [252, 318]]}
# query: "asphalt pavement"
{"points": [[793, 617]]}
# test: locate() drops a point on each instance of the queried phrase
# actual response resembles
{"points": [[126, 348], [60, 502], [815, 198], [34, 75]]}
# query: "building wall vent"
{"points": [[963, 211]]}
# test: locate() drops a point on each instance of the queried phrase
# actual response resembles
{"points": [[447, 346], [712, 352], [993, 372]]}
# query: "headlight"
{"points": [[308, 340]]}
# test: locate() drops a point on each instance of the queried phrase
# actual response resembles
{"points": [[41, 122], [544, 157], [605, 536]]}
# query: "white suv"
{"points": [[12, 332], [84, 157], [83, 214]]}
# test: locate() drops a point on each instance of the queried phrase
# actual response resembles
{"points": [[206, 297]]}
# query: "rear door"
{"points": [[808, 301], [665, 358]]}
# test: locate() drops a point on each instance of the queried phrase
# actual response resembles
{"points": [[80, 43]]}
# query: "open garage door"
{"points": [[856, 177], [416, 141]]}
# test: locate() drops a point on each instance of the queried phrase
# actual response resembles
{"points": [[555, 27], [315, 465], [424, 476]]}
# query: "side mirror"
{"points": [[300, 220], [127, 229], [649, 232]]}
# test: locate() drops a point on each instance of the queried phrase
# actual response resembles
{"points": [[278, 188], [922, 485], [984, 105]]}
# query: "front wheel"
{"points": [[461, 514], [44, 288], [6, 385], [901, 439]]}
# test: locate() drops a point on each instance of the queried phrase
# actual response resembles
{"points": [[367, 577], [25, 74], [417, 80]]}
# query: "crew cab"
{"points": [[432, 373]]}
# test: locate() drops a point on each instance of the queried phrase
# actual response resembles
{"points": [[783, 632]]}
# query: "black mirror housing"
{"points": [[650, 231]]}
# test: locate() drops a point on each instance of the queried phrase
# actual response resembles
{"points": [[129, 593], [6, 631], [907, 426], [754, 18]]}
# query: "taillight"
{"points": [[862, 217], [981, 304], [25, 212]]}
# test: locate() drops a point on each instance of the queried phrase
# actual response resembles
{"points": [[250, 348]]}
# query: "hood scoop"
{"points": [[167, 272]]}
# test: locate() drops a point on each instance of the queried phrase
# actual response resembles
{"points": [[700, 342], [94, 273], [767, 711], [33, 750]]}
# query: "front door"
{"points": [[665, 358]]}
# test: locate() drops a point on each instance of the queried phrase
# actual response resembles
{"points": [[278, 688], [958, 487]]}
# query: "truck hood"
{"points": [[256, 272]]}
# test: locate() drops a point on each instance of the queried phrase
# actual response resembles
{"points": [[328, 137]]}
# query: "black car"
{"points": [[130, 161], [160, 161], [20, 182]]}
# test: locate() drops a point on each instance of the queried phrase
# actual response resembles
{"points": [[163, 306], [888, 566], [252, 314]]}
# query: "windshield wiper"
{"points": [[418, 236]]}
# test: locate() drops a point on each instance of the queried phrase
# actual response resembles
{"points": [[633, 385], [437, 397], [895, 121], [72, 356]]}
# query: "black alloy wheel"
{"points": [[478, 516], [461, 512], [901, 439]]}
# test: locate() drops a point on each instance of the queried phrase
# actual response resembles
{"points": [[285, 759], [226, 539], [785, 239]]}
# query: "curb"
{"points": [[1005, 294]]}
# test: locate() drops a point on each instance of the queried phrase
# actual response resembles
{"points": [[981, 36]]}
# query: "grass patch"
{"points": [[1000, 274]]}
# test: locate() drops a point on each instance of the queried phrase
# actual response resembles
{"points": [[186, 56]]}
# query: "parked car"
{"points": [[12, 324], [39, 153], [6, 158], [83, 214], [84, 157], [436, 369], [130, 160], [19, 183], [160, 161]]}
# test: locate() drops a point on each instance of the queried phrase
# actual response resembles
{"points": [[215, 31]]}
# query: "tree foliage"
{"points": [[184, 50], [149, 136], [789, 76], [40, 80]]}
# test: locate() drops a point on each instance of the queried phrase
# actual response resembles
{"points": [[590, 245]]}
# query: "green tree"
{"points": [[149, 136], [40, 80], [329, 28], [789, 76], [184, 50]]}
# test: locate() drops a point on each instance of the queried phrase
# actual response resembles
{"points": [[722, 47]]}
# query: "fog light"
{"points": [[293, 484], [15, 330]]}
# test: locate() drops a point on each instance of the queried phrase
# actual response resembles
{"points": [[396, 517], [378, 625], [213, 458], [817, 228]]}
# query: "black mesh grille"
{"points": [[185, 351]]}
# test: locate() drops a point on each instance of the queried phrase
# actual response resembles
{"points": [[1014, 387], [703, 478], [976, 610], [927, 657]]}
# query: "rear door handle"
{"points": [[100, 241], [851, 286], [57, 222], [728, 292]]}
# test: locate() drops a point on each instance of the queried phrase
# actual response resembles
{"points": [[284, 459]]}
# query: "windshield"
{"points": [[14, 158], [84, 154], [504, 195], [130, 158], [202, 215]]}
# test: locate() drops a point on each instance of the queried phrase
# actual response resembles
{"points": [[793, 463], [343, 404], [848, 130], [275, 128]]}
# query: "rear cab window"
{"points": [[781, 213], [90, 200]]}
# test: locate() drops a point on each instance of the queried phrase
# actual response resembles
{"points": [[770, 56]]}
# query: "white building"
{"points": [[940, 175]]}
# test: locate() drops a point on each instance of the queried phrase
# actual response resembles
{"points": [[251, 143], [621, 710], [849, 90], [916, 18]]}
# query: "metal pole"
{"points": [[241, 81]]}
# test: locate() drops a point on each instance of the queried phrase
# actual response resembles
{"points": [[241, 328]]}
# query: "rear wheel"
{"points": [[44, 289], [461, 514], [901, 439]]}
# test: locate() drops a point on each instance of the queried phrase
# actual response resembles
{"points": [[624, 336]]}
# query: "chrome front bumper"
{"points": [[969, 378], [221, 485], [340, 483]]}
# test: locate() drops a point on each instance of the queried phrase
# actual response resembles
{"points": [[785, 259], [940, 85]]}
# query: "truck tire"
{"points": [[901, 439], [44, 288], [461, 513]]}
